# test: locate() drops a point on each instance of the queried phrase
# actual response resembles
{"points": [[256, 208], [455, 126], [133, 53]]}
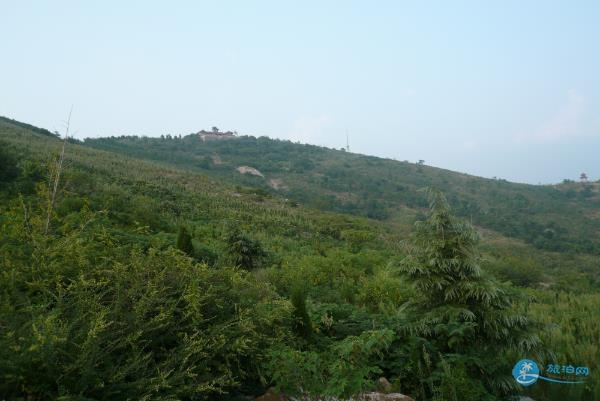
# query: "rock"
{"points": [[271, 395], [383, 385], [249, 170], [277, 183], [385, 397]]}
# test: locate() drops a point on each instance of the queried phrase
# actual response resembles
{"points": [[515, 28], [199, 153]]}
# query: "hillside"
{"points": [[563, 218], [167, 274]]}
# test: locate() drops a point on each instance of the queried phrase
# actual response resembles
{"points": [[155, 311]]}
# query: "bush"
{"points": [[243, 251], [85, 318], [302, 322], [347, 368], [184, 242], [8, 165]]}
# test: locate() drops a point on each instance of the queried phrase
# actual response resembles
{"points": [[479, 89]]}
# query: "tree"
{"points": [[344, 369], [242, 250], [463, 314], [214, 130], [8, 166], [302, 323], [184, 241], [586, 192], [55, 174]]}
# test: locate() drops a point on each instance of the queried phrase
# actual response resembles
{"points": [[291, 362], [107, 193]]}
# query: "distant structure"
{"points": [[214, 133], [583, 177], [347, 142]]}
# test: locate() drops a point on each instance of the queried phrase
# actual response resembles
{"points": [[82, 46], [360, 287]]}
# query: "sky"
{"points": [[507, 89]]}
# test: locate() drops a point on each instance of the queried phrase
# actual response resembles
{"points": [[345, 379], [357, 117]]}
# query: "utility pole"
{"points": [[347, 142]]}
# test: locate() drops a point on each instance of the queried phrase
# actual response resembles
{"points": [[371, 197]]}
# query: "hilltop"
{"points": [[550, 233], [562, 218]]}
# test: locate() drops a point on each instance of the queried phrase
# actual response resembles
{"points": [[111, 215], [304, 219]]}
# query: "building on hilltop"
{"points": [[215, 134]]}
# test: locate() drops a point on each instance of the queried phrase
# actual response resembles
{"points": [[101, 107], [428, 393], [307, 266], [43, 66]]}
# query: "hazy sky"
{"points": [[505, 88]]}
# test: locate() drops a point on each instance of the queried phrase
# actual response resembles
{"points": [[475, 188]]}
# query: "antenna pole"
{"points": [[347, 142]]}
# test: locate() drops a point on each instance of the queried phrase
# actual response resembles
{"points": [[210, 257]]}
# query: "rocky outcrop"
{"points": [[384, 386], [249, 170], [271, 395], [385, 397], [277, 184]]}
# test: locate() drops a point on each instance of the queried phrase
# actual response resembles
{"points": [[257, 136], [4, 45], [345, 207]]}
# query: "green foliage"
{"points": [[85, 316], [384, 291], [106, 307], [368, 186], [205, 254], [347, 368], [26, 126], [356, 239], [8, 165], [184, 241], [302, 323], [461, 310], [451, 382], [571, 329], [242, 250], [522, 272]]}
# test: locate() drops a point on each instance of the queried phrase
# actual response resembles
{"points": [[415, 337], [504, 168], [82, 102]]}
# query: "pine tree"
{"points": [[184, 241], [8, 165], [463, 314], [302, 323], [242, 250]]}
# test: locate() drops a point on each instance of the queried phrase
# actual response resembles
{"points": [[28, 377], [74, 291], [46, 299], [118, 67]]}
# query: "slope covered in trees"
{"points": [[157, 282], [561, 218]]}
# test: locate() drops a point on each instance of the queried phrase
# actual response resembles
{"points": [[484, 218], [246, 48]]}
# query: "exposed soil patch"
{"points": [[216, 159], [277, 184], [249, 170]]}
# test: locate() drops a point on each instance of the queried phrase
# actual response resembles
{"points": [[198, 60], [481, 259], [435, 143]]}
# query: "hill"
{"points": [[112, 302], [563, 218]]}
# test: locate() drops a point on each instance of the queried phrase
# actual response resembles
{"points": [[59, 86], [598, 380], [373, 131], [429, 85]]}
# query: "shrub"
{"points": [[84, 317], [184, 242], [346, 368], [243, 251]]}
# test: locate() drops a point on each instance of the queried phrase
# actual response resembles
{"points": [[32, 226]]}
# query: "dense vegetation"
{"points": [[560, 218], [155, 282]]}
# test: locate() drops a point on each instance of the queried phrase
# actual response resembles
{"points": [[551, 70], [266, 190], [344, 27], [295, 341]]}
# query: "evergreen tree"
{"points": [[184, 241], [463, 315], [8, 165], [243, 251], [302, 323]]}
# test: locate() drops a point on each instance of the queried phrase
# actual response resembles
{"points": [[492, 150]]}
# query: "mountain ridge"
{"points": [[561, 217]]}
